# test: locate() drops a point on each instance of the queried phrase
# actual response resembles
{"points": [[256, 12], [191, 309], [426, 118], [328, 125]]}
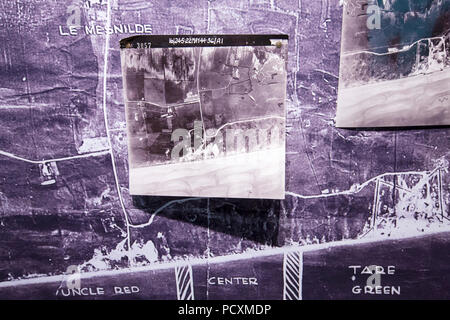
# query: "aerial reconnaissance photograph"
{"points": [[207, 121], [395, 64]]}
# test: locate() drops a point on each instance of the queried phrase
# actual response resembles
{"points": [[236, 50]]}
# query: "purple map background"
{"points": [[61, 103]]}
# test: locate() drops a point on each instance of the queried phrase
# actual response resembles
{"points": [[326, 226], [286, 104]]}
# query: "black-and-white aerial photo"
{"points": [[207, 121], [395, 64]]}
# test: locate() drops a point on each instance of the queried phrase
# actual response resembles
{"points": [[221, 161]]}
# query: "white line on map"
{"points": [[168, 204], [79, 156], [105, 114], [358, 187]]}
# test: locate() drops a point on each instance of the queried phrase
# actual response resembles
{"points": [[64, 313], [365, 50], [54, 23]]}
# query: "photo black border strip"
{"points": [[200, 40]]}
